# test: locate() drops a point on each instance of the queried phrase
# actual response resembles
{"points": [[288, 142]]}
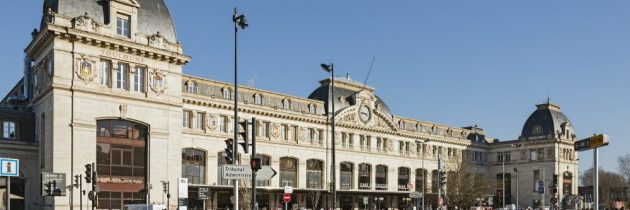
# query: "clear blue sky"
{"points": [[453, 62]]}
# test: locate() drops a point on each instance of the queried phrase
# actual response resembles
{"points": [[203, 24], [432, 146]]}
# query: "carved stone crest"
{"points": [[212, 123], [302, 134], [123, 111], [157, 40], [275, 130], [412, 148], [390, 146], [158, 82], [84, 22], [550, 153], [523, 155], [85, 68]]}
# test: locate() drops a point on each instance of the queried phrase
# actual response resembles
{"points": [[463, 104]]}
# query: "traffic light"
{"points": [[77, 179], [88, 173], [244, 133], [554, 184], [256, 164], [443, 177], [229, 151]]}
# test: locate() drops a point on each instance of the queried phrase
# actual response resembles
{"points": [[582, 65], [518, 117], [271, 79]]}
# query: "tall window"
{"points": [[186, 119], [222, 124], [311, 135], [194, 165], [365, 171], [122, 25], [286, 104], [346, 175], [104, 73], [139, 78], [199, 118], [284, 132], [227, 93], [122, 72], [420, 181], [265, 161], [314, 174], [403, 178], [567, 183], [191, 87], [258, 100], [381, 177], [288, 172], [536, 178], [121, 163], [9, 130]]}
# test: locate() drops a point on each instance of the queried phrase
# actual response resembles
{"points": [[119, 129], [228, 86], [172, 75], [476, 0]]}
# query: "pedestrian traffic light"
{"points": [[229, 151], [243, 133], [255, 163], [88, 173]]}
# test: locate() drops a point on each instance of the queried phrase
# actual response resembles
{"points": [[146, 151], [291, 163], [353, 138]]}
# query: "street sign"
{"points": [[288, 189], [245, 172], [10, 167], [53, 184], [203, 193], [541, 186], [286, 197], [182, 193], [593, 142], [415, 195], [553, 200]]}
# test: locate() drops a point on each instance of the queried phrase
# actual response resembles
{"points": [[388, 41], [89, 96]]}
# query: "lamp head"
{"points": [[241, 21], [327, 67]]}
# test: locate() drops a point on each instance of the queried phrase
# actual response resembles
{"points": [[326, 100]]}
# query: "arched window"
{"points": [[227, 93], [567, 183], [288, 172], [403, 178], [194, 165], [121, 155], [191, 86], [258, 99], [265, 161], [420, 180], [9, 130], [286, 104], [381, 177], [314, 174], [346, 175], [365, 172]]}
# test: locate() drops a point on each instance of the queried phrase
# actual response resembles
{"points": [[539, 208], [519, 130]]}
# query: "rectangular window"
{"points": [[8, 130], [122, 25], [311, 136], [199, 118], [368, 142], [379, 144], [351, 140], [499, 156], [222, 124], [284, 132], [42, 141], [186, 119], [535, 179], [122, 74], [104, 73], [139, 79], [320, 137]]}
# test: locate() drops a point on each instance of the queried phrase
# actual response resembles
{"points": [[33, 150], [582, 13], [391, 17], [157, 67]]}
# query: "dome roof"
{"points": [[153, 15], [546, 120], [345, 89]]}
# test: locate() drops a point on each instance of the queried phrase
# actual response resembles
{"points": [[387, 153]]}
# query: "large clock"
{"points": [[364, 114]]}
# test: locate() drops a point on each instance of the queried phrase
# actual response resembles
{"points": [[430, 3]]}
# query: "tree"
{"points": [[465, 183], [624, 166], [315, 198], [245, 194], [611, 187]]}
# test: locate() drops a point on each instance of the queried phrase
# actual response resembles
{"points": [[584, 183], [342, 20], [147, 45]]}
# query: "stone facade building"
{"points": [[103, 83]]}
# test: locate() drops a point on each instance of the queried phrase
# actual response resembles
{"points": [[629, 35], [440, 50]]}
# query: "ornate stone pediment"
{"points": [[84, 22], [157, 40], [350, 115]]}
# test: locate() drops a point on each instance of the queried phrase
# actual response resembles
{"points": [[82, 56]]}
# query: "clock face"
{"points": [[364, 113]]}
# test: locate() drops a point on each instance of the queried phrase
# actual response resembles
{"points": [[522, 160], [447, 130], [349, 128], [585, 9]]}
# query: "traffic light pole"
{"points": [[253, 156]]}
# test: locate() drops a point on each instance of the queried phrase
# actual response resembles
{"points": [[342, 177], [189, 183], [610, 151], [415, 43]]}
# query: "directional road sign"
{"points": [[415, 195], [53, 184], [10, 167], [592, 142], [245, 172]]}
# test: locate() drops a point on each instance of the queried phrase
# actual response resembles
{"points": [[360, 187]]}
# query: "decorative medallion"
{"points": [[123, 111], [390, 145], [550, 153], [412, 148], [157, 40], [275, 130], [158, 82], [85, 68], [523, 155], [213, 122]]}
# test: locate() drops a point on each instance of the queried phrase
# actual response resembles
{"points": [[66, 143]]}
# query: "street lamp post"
{"points": [[331, 69], [239, 21], [517, 146], [503, 191]]}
